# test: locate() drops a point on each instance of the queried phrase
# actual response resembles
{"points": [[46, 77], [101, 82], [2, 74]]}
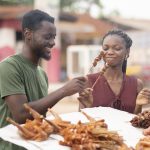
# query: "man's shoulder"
{"points": [[14, 59], [41, 69], [9, 62]]}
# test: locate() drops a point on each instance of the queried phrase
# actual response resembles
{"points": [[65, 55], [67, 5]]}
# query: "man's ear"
{"points": [[27, 34]]}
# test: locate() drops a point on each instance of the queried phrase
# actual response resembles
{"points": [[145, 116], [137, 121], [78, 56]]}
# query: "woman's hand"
{"points": [[86, 98], [143, 97], [146, 131]]}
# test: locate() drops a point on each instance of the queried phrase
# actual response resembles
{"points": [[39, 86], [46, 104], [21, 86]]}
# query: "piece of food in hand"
{"points": [[143, 97], [98, 58], [141, 100]]}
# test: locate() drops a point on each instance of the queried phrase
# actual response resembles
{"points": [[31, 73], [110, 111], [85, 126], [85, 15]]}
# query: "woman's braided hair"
{"points": [[127, 39]]}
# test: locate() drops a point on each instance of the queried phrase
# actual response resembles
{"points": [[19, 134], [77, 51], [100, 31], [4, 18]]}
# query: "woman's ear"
{"points": [[126, 57], [127, 54], [27, 34]]}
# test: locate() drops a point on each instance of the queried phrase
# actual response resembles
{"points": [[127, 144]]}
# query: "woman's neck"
{"points": [[114, 74]]}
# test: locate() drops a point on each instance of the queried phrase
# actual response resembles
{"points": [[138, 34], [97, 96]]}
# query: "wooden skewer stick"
{"points": [[34, 113], [54, 114], [98, 58], [56, 127], [101, 73], [88, 117]]}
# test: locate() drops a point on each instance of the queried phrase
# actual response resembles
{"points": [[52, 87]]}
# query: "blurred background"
{"points": [[80, 25]]}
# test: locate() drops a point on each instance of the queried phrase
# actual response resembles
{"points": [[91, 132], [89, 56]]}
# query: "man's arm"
{"points": [[15, 102]]}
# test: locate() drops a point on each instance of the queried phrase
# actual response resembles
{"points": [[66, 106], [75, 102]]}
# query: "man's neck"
{"points": [[27, 53]]}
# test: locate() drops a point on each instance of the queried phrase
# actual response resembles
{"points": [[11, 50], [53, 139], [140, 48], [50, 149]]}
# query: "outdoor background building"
{"points": [[74, 29]]}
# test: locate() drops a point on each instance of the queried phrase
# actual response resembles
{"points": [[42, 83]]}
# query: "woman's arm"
{"points": [[138, 108], [143, 97], [85, 97]]}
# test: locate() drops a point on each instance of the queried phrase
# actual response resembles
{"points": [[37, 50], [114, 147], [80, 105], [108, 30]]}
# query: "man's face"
{"points": [[43, 40]]}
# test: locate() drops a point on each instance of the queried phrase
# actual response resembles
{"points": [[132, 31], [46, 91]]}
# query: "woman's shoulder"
{"points": [[137, 81], [93, 75], [131, 78]]}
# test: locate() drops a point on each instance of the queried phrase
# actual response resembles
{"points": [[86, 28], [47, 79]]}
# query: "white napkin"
{"points": [[117, 121]]}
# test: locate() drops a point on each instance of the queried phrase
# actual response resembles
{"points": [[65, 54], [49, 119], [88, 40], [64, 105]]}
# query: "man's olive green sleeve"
{"points": [[10, 80]]}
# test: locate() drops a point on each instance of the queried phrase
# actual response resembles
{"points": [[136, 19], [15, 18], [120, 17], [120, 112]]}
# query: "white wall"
{"points": [[140, 50], [7, 37], [52, 8]]}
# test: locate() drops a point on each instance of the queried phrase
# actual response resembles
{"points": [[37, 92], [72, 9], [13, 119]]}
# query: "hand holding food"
{"points": [[143, 97], [146, 131], [86, 98]]}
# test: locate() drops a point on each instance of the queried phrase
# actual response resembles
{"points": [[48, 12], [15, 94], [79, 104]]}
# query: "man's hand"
{"points": [[75, 85], [86, 98], [143, 97]]}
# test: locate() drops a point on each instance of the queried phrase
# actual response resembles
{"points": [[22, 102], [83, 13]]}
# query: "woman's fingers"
{"points": [[146, 131], [86, 92], [86, 98], [143, 97]]}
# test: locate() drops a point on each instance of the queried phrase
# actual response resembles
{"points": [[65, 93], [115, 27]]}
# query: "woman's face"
{"points": [[115, 48]]}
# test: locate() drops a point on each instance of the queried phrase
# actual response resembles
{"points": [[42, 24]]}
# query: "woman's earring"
{"points": [[126, 57]]}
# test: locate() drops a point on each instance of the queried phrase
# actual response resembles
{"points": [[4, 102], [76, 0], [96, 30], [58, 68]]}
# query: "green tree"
{"points": [[79, 5], [16, 2], [114, 13]]}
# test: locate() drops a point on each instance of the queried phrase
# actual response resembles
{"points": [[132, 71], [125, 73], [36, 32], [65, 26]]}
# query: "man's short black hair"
{"points": [[32, 19]]}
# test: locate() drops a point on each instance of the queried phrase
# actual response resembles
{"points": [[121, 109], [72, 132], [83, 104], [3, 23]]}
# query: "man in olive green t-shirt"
{"points": [[20, 76], [23, 81]]}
